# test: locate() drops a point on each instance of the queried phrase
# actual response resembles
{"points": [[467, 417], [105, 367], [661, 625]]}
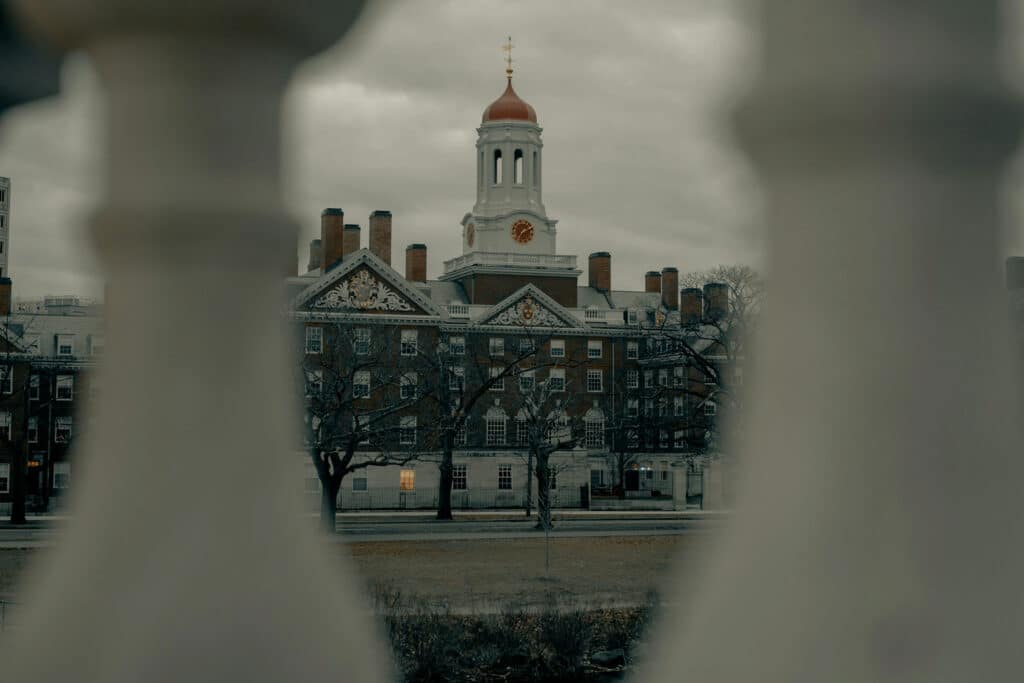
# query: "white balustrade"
{"points": [[186, 558], [878, 533]]}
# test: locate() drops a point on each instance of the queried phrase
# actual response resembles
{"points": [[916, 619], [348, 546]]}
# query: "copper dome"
{"points": [[509, 106]]}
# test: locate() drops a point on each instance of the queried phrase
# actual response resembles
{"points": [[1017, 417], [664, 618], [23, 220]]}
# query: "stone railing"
{"points": [[877, 534], [486, 258]]}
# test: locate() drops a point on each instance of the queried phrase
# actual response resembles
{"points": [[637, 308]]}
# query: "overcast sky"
{"points": [[633, 99]]}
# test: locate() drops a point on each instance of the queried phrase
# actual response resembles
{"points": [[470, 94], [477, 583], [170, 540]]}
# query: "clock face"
{"points": [[470, 234], [522, 231]]}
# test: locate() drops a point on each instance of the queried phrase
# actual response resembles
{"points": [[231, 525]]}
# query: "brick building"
{"points": [[622, 358]]}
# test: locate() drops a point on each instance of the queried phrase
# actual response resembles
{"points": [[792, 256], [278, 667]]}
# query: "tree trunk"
{"points": [[329, 504], [543, 491], [529, 483], [444, 494]]}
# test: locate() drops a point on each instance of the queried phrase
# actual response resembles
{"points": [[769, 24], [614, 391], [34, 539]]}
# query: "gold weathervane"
{"points": [[507, 47]]}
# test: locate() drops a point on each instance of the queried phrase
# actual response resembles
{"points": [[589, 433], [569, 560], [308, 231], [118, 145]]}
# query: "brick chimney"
{"points": [[670, 287], [416, 263], [350, 239], [652, 281], [600, 271], [691, 306], [315, 255], [332, 227], [380, 235], [5, 296], [716, 300]]}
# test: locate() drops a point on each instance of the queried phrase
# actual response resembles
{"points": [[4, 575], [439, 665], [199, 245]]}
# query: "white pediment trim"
{"points": [[378, 288], [528, 306]]}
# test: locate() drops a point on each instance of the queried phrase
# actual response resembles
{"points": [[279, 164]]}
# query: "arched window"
{"points": [[495, 421], [496, 170], [594, 428], [517, 167]]}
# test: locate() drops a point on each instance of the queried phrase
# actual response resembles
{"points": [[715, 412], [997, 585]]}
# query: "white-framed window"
{"points": [[457, 346], [33, 429], [407, 479], [632, 379], [679, 439], [410, 342], [65, 387], [5, 425], [632, 350], [522, 430], [461, 437], [314, 340], [97, 344], [361, 424], [361, 341], [663, 377], [456, 378], [633, 407], [496, 345], [526, 381], [407, 388], [593, 431], [5, 477], [710, 409], [33, 388], [495, 425], [407, 430], [65, 344], [314, 382], [557, 348], [459, 478], [631, 316], [678, 407], [359, 484], [525, 346], [7, 379], [62, 429], [648, 379], [595, 348], [595, 381], [556, 380], [499, 383], [504, 477], [361, 384], [679, 375], [61, 475]]}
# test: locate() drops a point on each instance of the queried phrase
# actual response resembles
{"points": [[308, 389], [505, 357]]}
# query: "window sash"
{"points": [[557, 348], [595, 381], [505, 477], [410, 342], [495, 435], [314, 340], [459, 477], [595, 348], [632, 350]]}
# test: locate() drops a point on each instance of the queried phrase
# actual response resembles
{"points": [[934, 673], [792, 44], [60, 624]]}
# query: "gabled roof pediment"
{"points": [[362, 283], [529, 307]]}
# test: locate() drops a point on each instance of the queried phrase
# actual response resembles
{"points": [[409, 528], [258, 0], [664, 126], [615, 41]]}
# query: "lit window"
{"points": [[407, 480], [407, 430], [65, 387], [409, 342], [361, 385], [595, 348], [458, 477], [632, 379], [62, 429], [314, 340], [61, 475], [362, 341], [495, 430], [33, 430], [65, 345], [595, 381], [457, 346], [456, 379], [5, 477], [558, 348], [5, 425], [408, 386], [556, 380], [33, 388], [358, 483], [7, 379], [504, 477], [497, 346], [632, 349], [499, 383]]}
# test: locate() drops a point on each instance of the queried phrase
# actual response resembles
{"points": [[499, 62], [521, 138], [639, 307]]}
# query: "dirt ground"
{"points": [[471, 575]]}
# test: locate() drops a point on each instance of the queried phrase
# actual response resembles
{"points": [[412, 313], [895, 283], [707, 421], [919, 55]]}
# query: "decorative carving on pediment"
{"points": [[362, 292], [529, 313]]}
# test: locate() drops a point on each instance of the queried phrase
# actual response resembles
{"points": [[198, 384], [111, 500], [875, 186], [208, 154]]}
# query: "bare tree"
{"points": [[361, 404]]}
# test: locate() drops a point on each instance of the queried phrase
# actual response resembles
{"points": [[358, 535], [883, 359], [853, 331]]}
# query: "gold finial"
{"points": [[507, 47]]}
